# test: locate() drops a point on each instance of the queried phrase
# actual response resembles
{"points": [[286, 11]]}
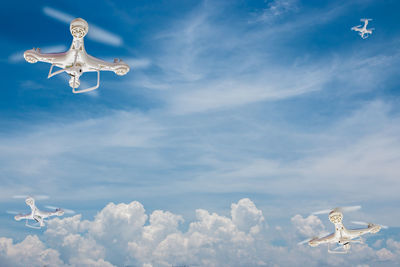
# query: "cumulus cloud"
{"points": [[29, 252], [123, 234], [95, 33], [310, 226]]}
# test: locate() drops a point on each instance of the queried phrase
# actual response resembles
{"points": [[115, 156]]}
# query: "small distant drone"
{"points": [[342, 236], [37, 215], [363, 31], [76, 61]]}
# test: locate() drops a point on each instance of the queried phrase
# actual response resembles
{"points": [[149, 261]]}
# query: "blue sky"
{"points": [[278, 102]]}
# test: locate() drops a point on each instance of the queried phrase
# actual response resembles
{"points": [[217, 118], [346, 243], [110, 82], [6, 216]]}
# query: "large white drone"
{"points": [[37, 215], [363, 31], [342, 236], [76, 61]]}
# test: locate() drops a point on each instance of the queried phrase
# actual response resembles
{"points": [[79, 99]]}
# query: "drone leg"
{"points": [[54, 73], [88, 89], [31, 226]]}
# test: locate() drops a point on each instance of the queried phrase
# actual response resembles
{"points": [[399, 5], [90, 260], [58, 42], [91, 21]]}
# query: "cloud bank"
{"points": [[125, 235]]}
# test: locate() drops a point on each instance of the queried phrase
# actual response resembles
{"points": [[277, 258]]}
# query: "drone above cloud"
{"points": [[232, 120]]}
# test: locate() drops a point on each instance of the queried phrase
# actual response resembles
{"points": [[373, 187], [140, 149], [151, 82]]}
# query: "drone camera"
{"points": [[74, 82], [346, 246]]}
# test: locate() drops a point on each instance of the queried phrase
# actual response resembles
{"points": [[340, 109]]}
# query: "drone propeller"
{"points": [[366, 224], [12, 212], [67, 211], [36, 197], [340, 209], [304, 241]]}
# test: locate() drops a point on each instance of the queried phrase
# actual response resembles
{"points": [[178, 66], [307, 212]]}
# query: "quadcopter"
{"points": [[342, 236], [76, 61], [37, 215], [363, 31]]}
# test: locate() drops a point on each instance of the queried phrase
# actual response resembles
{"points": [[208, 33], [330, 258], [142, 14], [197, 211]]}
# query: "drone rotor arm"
{"points": [[118, 66], [318, 241], [19, 217], [34, 55]]}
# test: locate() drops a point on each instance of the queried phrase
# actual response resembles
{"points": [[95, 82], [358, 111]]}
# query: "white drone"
{"points": [[37, 215], [343, 236], [363, 31], [76, 61]]}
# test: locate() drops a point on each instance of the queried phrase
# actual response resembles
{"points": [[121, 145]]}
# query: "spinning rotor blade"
{"points": [[304, 241], [366, 224], [321, 212], [36, 197], [67, 211], [349, 208], [340, 209], [12, 212]]}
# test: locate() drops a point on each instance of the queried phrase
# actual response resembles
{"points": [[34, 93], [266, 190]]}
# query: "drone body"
{"points": [[36, 214], [343, 236], [76, 61], [363, 31]]}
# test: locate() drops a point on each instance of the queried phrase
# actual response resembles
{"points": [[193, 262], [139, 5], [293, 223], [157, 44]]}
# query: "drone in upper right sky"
{"points": [[363, 31]]}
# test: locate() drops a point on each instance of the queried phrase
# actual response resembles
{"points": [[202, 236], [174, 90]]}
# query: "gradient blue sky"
{"points": [[275, 101]]}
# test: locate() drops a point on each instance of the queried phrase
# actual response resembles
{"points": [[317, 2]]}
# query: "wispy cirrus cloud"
{"points": [[209, 63], [95, 33]]}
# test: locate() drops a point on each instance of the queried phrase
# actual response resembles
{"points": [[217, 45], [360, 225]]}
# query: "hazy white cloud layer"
{"points": [[125, 235]]}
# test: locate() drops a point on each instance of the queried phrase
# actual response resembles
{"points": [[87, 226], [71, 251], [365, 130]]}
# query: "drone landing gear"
{"points": [[340, 249], [74, 81], [34, 226], [75, 84], [54, 73]]}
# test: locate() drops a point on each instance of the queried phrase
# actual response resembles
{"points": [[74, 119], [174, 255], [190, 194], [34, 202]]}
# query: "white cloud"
{"points": [[29, 252], [210, 64], [95, 33], [246, 216], [276, 8], [123, 234], [310, 226], [385, 255]]}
